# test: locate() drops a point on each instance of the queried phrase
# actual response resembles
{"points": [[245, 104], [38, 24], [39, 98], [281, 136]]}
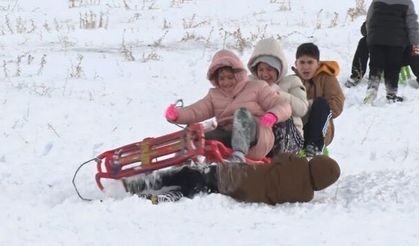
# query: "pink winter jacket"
{"points": [[255, 95]]}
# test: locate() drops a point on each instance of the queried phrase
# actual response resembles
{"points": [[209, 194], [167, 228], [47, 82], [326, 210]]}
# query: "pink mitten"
{"points": [[171, 113], [268, 120]]}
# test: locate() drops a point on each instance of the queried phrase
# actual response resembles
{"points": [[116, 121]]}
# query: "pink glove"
{"points": [[171, 113], [268, 120]]}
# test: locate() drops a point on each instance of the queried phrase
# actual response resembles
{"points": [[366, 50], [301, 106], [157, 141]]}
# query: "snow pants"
{"points": [[388, 60], [318, 121]]}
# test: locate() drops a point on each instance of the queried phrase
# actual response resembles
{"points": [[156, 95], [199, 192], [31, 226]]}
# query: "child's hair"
{"points": [[224, 68], [308, 49]]}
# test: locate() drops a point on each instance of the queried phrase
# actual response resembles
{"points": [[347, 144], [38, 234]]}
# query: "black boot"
{"points": [[392, 98]]}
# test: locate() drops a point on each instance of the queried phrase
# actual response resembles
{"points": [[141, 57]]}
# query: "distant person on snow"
{"points": [[361, 56], [268, 63], [324, 95], [245, 110], [391, 25]]}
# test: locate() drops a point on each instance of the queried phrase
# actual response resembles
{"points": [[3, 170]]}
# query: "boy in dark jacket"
{"points": [[325, 97], [391, 25]]}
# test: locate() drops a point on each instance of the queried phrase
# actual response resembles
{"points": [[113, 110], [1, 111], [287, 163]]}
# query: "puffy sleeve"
{"points": [[196, 112], [274, 102], [297, 96]]}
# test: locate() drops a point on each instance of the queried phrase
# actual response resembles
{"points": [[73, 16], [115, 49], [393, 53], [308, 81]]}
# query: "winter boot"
{"points": [[372, 89], [352, 82], [312, 150], [244, 131], [236, 156], [392, 94], [392, 98]]}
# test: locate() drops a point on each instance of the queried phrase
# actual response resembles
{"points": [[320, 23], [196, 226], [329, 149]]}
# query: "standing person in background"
{"points": [[324, 94], [391, 25], [361, 56], [268, 63]]}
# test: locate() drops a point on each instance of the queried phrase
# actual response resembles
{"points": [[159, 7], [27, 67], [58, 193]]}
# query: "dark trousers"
{"points": [[221, 135], [191, 180], [387, 60], [361, 56], [318, 121], [360, 60]]}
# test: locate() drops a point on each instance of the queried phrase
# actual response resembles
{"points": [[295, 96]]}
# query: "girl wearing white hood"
{"points": [[268, 63]]}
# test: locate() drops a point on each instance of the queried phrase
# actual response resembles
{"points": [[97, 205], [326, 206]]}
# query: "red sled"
{"points": [[151, 154]]}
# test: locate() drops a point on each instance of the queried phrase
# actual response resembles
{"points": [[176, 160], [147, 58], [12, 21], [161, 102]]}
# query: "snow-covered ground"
{"points": [[80, 77]]}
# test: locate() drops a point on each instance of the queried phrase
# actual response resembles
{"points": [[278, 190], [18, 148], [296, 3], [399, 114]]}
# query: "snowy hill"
{"points": [[79, 77]]}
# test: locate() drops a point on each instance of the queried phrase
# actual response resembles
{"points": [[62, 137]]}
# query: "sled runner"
{"points": [[152, 154]]}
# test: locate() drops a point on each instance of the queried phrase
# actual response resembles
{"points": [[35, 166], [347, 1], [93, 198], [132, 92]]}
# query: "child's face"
{"points": [[306, 66], [226, 80], [266, 72]]}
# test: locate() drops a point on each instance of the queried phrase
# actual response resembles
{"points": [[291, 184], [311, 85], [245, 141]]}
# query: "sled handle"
{"points": [[74, 178]]}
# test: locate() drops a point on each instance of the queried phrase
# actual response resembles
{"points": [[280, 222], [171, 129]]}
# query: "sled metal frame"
{"points": [[150, 154], [156, 153]]}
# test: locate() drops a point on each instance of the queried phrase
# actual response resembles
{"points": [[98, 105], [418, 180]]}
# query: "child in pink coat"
{"points": [[245, 110]]}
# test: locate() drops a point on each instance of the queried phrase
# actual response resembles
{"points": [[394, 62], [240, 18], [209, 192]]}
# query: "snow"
{"points": [[68, 93]]}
